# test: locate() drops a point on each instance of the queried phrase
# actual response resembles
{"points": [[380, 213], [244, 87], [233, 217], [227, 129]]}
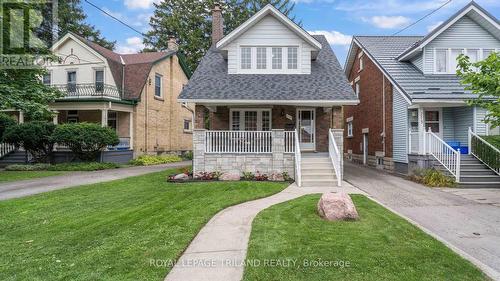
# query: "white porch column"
{"points": [[21, 117], [104, 117], [131, 129], [421, 131], [55, 117]]}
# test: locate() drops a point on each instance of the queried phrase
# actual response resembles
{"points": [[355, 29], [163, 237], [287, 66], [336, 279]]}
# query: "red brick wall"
{"points": [[369, 113]]}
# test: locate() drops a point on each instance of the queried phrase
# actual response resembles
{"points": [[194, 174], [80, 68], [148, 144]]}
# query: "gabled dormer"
{"points": [[471, 31], [267, 43]]}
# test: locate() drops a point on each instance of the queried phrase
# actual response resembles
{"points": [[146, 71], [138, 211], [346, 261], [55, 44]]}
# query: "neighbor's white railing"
{"points": [[238, 142], [413, 142], [6, 148], [335, 157], [484, 151], [289, 141], [298, 160], [445, 154]]}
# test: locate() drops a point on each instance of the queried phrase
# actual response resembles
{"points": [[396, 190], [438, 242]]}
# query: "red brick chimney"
{"points": [[217, 24]]}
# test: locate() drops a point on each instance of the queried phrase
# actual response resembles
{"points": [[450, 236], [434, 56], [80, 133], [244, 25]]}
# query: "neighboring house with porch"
{"points": [[269, 99], [134, 94], [408, 84]]}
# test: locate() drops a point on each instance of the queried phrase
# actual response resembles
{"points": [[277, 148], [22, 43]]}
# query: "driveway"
{"points": [[458, 217], [29, 187]]}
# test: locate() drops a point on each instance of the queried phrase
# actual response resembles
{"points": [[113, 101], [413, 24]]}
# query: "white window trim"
{"points": [[448, 55], [116, 119], [350, 127], [242, 117], [357, 89], [361, 62], [161, 86], [190, 130], [75, 70], [95, 69], [49, 72], [269, 63], [449, 70]]}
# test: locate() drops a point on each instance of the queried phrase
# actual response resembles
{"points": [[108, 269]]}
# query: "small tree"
{"points": [[483, 78], [5, 122], [34, 137], [86, 140]]}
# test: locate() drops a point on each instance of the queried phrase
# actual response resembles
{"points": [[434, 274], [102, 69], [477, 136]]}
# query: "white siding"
{"points": [[83, 61], [417, 61], [400, 128], [269, 32], [465, 33], [481, 127]]}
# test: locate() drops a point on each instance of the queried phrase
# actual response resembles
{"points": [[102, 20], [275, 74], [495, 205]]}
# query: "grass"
{"points": [[73, 166], [111, 230], [9, 176], [380, 246]]}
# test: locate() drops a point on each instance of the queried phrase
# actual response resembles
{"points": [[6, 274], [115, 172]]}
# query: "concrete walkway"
{"points": [[469, 226], [29, 187], [219, 249]]}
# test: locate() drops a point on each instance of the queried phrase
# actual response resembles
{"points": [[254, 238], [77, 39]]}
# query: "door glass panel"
{"points": [[432, 121], [251, 120], [306, 128], [266, 121], [71, 82]]}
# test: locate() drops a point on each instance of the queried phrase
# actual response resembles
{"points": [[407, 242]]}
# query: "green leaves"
{"points": [[483, 78]]}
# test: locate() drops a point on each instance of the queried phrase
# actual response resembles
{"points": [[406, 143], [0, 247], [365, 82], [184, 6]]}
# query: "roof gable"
{"points": [[268, 10], [473, 11]]}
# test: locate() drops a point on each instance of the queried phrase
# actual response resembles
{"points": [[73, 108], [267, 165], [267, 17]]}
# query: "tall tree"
{"points": [[191, 22], [483, 79], [72, 18]]}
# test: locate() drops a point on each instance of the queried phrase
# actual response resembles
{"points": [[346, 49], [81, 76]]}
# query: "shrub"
{"points": [[286, 177], [80, 166], [147, 160], [34, 137], [260, 177], [433, 178], [188, 155], [86, 140], [493, 140], [248, 176], [22, 167], [5, 122]]}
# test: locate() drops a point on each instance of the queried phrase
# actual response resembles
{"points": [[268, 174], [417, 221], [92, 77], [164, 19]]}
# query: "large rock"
{"points": [[337, 206], [229, 177], [181, 177]]}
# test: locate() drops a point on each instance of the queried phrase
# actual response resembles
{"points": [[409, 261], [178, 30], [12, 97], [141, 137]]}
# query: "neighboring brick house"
{"points": [[267, 92], [413, 107], [135, 94]]}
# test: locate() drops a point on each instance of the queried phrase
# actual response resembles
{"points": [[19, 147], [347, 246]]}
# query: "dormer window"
{"points": [[269, 59], [441, 60], [246, 58], [445, 60], [277, 58]]}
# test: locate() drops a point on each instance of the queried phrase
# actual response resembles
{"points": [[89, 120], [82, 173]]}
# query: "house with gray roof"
{"points": [[269, 98], [413, 109]]}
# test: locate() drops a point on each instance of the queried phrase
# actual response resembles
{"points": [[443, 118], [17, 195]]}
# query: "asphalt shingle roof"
{"points": [[417, 85], [327, 81]]}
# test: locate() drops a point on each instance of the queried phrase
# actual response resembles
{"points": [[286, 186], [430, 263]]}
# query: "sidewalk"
{"points": [[29, 187], [219, 249]]}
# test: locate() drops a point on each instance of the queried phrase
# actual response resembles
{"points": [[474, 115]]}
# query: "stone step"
{"points": [[479, 185], [327, 177], [307, 169], [316, 166], [315, 160], [314, 183], [472, 172]]}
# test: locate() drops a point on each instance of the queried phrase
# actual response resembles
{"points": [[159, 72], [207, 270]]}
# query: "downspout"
{"points": [[383, 112], [171, 74], [146, 115]]}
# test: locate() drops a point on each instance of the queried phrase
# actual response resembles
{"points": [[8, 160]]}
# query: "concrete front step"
{"points": [[316, 161], [316, 166], [480, 178], [306, 183], [479, 184], [326, 177], [479, 172]]}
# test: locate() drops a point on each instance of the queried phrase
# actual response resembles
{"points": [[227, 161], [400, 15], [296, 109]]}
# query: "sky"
{"points": [[338, 20]]}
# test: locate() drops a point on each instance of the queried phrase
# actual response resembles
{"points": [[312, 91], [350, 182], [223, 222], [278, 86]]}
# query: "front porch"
{"points": [[268, 140]]}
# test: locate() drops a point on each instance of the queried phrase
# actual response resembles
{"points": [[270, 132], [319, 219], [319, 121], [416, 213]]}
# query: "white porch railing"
{"points": [[484, 151], [445, 154], [289, 141], [413, 142], [298, 160], [335, 157], [6, 148], [238, 142]]}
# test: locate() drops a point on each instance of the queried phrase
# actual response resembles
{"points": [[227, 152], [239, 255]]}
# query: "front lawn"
{"points": [[9, 176], [380, 246], [111, 230]]}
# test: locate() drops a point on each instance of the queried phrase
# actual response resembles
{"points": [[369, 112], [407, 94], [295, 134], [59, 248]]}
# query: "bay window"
{"points": [[250, 119]]}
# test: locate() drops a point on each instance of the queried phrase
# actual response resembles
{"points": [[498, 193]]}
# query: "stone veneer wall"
{"points": [[276, 162]]}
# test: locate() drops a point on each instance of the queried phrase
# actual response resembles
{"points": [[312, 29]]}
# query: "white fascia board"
{"points": [[321, 103], [268, 10], [445, 27]]}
